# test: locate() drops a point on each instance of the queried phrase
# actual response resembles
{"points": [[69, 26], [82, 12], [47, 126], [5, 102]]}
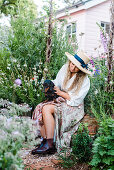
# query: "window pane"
{"points": [[102, 24], [73, 27], [68, 29]]}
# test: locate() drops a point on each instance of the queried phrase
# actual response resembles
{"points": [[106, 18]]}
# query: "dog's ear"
{"points": [[51, 84]]}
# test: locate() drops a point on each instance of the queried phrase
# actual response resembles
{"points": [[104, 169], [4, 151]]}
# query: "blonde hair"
{"points": [[78, 81]]}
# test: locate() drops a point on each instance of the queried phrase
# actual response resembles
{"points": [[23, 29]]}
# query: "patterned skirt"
{"points": [[67, 120]]}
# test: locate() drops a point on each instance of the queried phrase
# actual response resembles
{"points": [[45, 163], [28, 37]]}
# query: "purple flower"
{"points": [[104, 41], [97, 72], [18, 82], [92, 62]]}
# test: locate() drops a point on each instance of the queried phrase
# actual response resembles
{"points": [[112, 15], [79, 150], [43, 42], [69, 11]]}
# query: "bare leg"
{"points": [[42, 131], [49, 122]]}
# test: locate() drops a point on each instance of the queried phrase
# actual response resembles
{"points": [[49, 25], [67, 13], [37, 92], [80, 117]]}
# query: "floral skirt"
{"points": [[67, 120]]}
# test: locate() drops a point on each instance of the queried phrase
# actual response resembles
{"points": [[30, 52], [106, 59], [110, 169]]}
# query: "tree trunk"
{"points": [[49, 38], [111, 46]]}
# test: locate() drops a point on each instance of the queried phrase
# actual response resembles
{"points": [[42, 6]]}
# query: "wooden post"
{"points": [[110, 47]]}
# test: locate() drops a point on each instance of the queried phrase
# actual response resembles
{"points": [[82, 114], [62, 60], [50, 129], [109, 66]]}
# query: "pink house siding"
{"points": [[92, 32], [86, 19], [79, 18]]}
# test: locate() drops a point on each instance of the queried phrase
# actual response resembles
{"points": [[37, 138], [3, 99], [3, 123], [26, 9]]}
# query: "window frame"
{"points": [[104, 28], [72, 33]]}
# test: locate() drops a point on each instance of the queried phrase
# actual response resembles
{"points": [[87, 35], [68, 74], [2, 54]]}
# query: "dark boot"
{"points": [[42, 143], [38, 146], [46, 149]]}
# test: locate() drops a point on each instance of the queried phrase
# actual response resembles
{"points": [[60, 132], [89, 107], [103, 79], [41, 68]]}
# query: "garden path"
{"points": [[37, 162]]}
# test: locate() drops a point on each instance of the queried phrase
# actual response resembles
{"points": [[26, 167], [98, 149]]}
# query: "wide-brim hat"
{"points": [[80, 59]]}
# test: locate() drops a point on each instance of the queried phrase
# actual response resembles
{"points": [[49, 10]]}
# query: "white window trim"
{"points": [[104, 25], [70, 23]]}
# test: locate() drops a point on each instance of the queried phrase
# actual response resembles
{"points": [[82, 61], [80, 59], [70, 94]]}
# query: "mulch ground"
{"points": [[47, 162]]}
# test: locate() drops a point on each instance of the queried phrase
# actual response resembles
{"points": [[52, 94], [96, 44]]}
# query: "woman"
{"points": [[58, 121]]}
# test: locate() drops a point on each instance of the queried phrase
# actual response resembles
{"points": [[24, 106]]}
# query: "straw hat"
{"points": [[80, 60]]}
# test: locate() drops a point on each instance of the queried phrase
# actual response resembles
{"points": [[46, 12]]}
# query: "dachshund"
{"points": [[49, 90]]}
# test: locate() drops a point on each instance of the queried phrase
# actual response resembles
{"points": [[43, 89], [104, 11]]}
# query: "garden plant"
{"points": [[23, 69]]}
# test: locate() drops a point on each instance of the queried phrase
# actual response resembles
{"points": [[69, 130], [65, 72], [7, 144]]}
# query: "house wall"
{"points": [[79, 18], [92, 32], [86, 23]]}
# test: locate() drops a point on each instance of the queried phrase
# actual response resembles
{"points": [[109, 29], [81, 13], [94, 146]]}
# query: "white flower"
{"points": [[8, 68], [14, 85], [45, 69], [25, 65], [42, 80], [39, 71], [110, 82], [96, 91], [40, 63], [105, 79], [13, 60], [106, 63], [18, 65], [2, 74], [38, 95]]}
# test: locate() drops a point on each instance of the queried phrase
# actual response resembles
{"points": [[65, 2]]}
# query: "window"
{"points": [[105, 26], [71, 32]]}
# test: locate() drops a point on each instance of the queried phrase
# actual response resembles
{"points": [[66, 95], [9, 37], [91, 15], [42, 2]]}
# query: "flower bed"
{"points": [[15, 133]]}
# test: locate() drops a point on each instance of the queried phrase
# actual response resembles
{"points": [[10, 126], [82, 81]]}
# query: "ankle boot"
{"points": [[45, 149], [33, 152]]}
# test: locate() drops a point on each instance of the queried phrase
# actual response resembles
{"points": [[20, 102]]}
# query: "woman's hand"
{"points": [[57, 90], [61, 93]]}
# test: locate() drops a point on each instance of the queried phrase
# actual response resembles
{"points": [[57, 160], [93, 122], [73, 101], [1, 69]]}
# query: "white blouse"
{"points": [[75, 100]]}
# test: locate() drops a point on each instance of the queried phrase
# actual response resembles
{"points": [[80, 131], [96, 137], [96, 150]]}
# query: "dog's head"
{"points": [[48, 86]]}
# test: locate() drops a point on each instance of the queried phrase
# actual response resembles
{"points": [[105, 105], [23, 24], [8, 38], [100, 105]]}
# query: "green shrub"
{"points": [[15, 133], [81, 144], [66, 161], [26, 59], [97, 96], [103, 147]]}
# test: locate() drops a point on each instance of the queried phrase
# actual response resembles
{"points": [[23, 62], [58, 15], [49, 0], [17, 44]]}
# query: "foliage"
{"points": [[67, 160], [24, 8], [26, 59], [103, 147], [31, 89], [81, 144], [10, 109], [14, 132], [98, 98], [27, 43]]}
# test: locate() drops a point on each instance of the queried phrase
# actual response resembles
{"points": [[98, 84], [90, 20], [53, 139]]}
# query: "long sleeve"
{"points": [[78, 99], [60, 76]]}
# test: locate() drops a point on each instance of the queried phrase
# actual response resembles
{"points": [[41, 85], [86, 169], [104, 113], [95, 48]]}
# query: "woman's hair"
{"points": [[77, 81]]}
